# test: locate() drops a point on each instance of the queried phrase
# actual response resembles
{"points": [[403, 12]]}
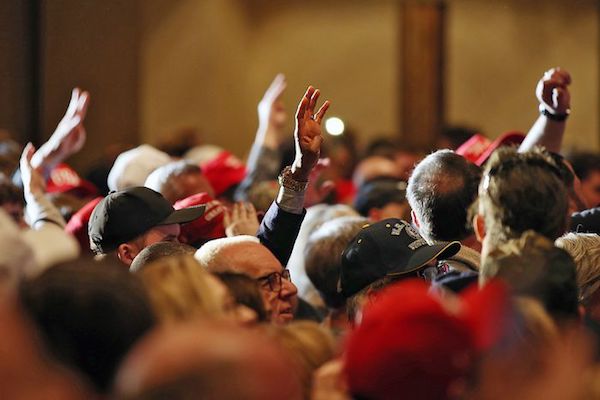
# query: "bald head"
{"points": [[239, 254], [245, 255], [206, 360]]}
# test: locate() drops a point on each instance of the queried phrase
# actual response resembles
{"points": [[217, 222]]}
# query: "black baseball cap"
{"points": [[124, 215], [391, 247]]}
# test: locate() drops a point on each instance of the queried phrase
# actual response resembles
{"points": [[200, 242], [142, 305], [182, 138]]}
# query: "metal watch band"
{"points": [[285, 179]]}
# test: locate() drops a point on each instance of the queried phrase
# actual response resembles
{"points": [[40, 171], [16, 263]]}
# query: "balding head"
{"points": [[246, 255], [440, 191], [223, 255], [206, 360]]}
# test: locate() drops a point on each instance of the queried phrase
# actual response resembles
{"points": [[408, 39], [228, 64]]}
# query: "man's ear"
{"points": [[415, 220], [479, 227], [127, 252]]}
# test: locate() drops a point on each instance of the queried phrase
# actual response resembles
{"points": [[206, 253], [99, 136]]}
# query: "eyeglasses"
{"points": [[274, 281], [431, 272]]}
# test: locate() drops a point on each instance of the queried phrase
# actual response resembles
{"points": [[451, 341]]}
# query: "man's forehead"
{"points": [[253, 259]]}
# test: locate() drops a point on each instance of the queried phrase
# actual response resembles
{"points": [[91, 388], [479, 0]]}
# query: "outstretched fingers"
{"points": [[313, 101], [83, 103], [321, 113]]}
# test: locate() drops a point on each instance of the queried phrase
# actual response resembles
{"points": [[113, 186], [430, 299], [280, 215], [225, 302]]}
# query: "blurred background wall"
{"points": [[156, 65]]}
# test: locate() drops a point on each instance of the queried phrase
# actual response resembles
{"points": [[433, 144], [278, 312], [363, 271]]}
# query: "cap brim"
{"points": [[184, 215], [426, 254], [510, 138]]}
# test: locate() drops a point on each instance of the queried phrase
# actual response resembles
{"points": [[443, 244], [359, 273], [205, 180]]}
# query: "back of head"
{"points": [[159, 250], [440, 191], [180, 289], [309, 346], [410, 346], [584, 248], [375, 167], [206, 360], [533, 267], [178, 180], [89, 314], [584, 163], [520, 192], [323, 256], [246, 291], [214, 255]]}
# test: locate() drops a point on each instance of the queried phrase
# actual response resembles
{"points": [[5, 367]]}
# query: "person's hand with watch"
{"points": [[308, 139], [553, 94], [554, 98]]}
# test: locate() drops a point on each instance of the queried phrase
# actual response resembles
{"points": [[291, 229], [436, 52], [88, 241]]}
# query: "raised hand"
{"points": [[552, 91], [307, 134], [241, 220], [33, 182], [68, 137], [271, 112]]}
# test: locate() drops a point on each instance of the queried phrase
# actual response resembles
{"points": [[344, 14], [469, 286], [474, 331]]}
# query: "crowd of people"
{"points": [[317, 269]]}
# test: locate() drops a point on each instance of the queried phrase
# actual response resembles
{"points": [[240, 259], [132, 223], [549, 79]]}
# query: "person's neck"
{"points": [[472, 243]]}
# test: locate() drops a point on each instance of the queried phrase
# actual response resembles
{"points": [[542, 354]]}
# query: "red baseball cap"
{"points": [[411, 345], [209, 226], [65, 179], [223, 172], [78, 224], [479, 148]]}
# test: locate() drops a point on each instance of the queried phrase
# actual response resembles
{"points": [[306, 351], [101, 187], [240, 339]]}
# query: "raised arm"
{"points": [[265, 157], [68, 137], [553, 94], [279, 228]]}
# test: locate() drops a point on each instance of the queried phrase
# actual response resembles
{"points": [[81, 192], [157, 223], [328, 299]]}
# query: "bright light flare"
{"points": [[334, 126]]}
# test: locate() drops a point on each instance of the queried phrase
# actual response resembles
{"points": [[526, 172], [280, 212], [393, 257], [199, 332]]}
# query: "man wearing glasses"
{"points": [[246, 255], [263, 259]]}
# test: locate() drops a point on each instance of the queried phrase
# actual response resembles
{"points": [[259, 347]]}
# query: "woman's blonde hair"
{"points": [[180, 289], [309, 345]]}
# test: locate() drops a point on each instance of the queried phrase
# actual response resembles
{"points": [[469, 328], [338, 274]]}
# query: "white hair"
{"points": [[211, 255]]}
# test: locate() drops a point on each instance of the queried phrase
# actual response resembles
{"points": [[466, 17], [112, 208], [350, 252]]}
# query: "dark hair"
{"points": [[9, 192], [523, 191], [457, 135], [89, 314], [440, 191], [246, 291], [157, 251], [584, 163], [323, 256], [379, 192]]}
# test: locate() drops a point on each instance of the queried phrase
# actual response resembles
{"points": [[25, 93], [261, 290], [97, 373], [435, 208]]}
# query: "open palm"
{"points": [[308, 135]]}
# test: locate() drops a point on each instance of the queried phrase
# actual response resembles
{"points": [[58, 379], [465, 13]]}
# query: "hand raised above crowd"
{"points": [[308, 134], [553, 91], [241, 220], [271, 112], [33, 182], [68, 137]]}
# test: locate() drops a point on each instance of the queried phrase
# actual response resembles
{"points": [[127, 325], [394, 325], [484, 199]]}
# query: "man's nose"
{"points": [[287, 289]]}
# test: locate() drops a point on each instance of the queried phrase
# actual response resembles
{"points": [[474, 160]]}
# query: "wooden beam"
{"points": [[422, 63]]}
